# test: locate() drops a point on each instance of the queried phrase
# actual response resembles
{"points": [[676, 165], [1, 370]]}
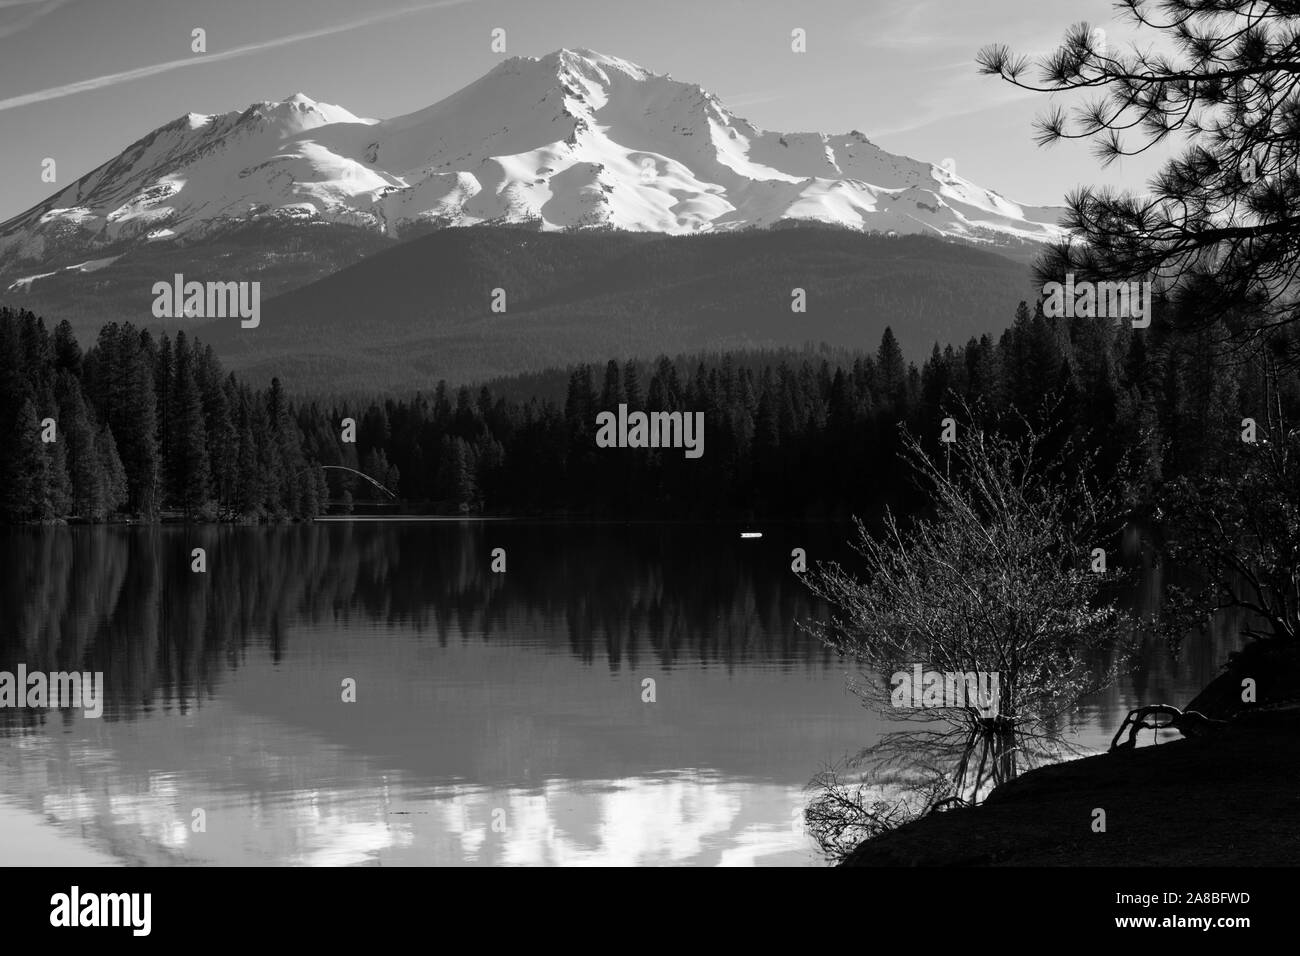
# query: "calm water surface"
{"points": [[499, 717]]}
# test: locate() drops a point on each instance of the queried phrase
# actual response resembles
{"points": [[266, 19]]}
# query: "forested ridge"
{"points": [[427, 308], [150, 427]]}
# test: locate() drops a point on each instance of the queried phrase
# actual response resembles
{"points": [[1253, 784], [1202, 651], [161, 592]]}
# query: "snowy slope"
{"points": [[572, 139]]}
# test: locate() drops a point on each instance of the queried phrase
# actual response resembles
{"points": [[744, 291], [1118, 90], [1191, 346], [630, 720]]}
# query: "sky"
{"points": [[82, 79]]}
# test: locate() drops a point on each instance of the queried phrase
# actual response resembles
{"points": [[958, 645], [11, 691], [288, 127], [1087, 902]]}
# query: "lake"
{"points": [[499, 718]]}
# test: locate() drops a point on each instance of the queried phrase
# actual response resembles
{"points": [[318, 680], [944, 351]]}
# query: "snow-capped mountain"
{"points": [[573, 139]]}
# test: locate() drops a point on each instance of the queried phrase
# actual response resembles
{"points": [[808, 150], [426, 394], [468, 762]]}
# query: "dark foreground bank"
{"points": [[1227, 799]]}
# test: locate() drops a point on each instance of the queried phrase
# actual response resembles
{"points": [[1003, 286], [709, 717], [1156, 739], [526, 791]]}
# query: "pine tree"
{"points": [[67, 353], [218, 426], [286, 450], [129, 407], [611, 393], [249, 495], [188, 470], [23, 474], [891, 374], [632, 385], [455, 483], [84, 467], [37, 352], [164, 379], [463, 466], [309, 492], [57, 501], [113, 488]]}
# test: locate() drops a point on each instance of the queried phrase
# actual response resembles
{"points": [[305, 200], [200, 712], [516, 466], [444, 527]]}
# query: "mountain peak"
{"points": [[299, 112], [571, 70], [571, 139], [585, 61], [592, 60]]}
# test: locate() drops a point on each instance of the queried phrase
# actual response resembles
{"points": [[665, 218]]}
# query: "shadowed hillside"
{"points": [[410, 315], [119, 286]]}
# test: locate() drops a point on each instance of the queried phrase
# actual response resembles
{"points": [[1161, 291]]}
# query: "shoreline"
{"points": [[1224, 801], [1228, 798]]}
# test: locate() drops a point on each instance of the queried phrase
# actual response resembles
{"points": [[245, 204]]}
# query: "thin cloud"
{"points": [[952, 100], [909, 25], [112, 79], [26, 19]]}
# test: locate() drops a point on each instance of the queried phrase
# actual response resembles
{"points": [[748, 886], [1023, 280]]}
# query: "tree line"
{"points": [[135, 426], [147, 427]]}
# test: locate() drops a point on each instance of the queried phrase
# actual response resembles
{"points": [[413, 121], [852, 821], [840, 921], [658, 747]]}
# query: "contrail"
{"points": [[27, 19], [112, 79]]}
